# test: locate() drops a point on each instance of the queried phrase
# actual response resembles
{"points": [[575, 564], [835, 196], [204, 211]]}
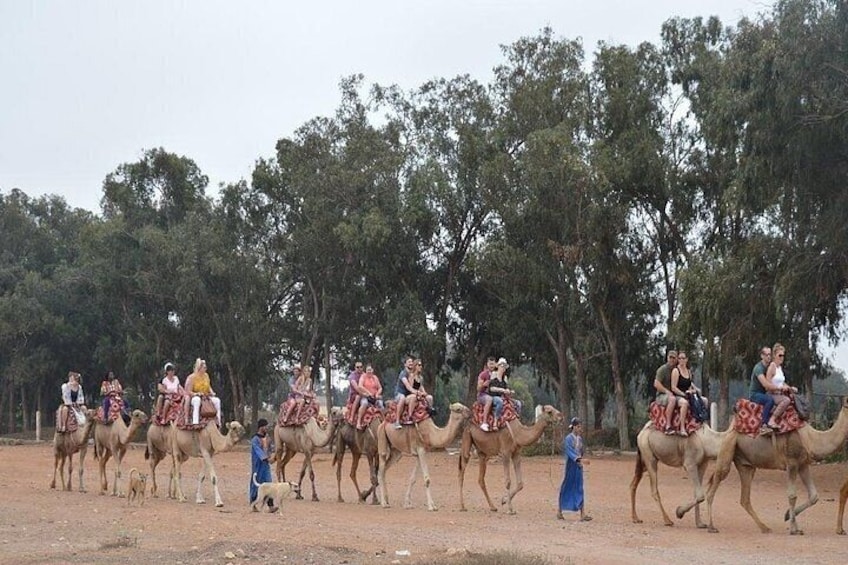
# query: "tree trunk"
{"points": [[24, 410], [254, 403], [10, 427], [618, 383], [599, 402], [329, 388], [582, 387]]}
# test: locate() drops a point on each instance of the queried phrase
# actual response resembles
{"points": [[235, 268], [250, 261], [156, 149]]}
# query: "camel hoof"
{"points": [[432, 509], [786, 516], [701, 526], [298, 497], [340, 500], [492, 509], [796, 533], [315, 498], [840, 532], [766, 530], [463, 509], [511, 512], [637, 521], [712, 529], [669, 524], [679, 513], [219, 505]]}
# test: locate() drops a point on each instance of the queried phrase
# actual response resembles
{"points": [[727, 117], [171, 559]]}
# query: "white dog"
{"points": [[275, 492]]}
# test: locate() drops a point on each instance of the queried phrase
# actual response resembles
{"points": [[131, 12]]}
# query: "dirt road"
{"points": [[39, 525]]}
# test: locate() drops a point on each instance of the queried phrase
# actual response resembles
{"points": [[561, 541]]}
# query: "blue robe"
{"points": [[571, 491], [259, 465]]}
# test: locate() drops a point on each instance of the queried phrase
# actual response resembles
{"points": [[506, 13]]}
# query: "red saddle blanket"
{"points": [[173, 412], [509, 414], [371, 412], [657, 416], [116, 405], [71, 424], [422, 412], [182, 419], [749, 418], [309, 409]]}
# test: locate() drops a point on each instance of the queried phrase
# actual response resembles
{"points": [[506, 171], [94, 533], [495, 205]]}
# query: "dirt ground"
{"points": [[40, 525]]}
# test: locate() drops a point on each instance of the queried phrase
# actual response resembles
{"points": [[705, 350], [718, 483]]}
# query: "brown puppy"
{"points": [[137, 487], [275, 492]]}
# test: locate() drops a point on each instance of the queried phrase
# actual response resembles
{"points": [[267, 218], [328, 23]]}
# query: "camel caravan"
{"points": [[769, 430]]}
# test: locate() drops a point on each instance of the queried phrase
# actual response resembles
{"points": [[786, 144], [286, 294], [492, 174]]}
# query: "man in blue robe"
{"points": [[259, 460]]}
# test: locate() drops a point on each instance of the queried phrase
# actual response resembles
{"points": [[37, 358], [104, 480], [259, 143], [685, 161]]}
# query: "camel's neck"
{"points": [[711, 440], [820, 444], [124, 433], [528, 435], [219, 441], [321, 437], [439, 438], [82, 435]]}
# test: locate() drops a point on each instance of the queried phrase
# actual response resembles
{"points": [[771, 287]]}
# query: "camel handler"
{"points": [[259, 465], [664, 397], [197, 385]]}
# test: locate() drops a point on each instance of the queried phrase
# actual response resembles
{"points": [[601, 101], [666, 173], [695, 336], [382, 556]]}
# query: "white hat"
{"points": [[502, 361], [169, 367]]}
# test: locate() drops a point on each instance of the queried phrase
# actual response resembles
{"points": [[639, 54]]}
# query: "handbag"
{"points": [[207, 409], [801, 406]]}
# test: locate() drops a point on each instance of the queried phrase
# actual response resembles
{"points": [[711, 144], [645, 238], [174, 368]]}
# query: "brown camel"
{"points": [[65, 445], [204, 443], [159, 442], [111, 440], [360, 442], [416, 440], [693, 453], [792, 452], [506, 442], [305, 439]]}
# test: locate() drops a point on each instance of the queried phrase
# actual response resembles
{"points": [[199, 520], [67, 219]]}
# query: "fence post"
{"points": [[713, 415], [38, 425]]}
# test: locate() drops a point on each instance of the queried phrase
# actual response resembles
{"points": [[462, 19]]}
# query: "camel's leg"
{"points": [[354, 467], [519, 480], [281, 466], [198, 495], [407, 498], [213, 477], [58, 463], [651, 467], [117, 486], [464, 456], [152, 463], [746, 478], [386, 462], [373, 465], [634, 484], [338, 461], [70, 486], [105, 454], [843, 496], [483, 465], [812, 493], [422, 462], [81, 468], [307, 466], [177, 470], [696, 475]]}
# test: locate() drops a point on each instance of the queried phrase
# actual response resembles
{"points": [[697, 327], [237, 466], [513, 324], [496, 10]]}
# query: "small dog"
{"points": [[275, 492], [137, 487]]}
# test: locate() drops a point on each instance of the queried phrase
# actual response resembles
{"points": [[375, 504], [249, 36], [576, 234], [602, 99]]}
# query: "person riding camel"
{"points": [[197, 385], [73, 399]]}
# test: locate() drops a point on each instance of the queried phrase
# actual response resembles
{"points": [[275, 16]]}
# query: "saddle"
{"points": [[422, 412], [116, 406], [508, 415], [657, 416], [182, 418], [71, 425], [749, 418], [307, 411], [371, 412], [175, 409]]}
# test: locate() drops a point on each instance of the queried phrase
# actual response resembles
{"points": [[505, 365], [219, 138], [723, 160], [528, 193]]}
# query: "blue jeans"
{"points": [[498, 403], [768, 404]]}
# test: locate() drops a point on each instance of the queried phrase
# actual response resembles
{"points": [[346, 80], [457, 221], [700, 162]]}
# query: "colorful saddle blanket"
{"points": [[371, 412], [657, 416], [71, 424], [182, 419], [309, 409], [174, 409], [749, 418], [422, 412], [509, 414], [116, 406]]}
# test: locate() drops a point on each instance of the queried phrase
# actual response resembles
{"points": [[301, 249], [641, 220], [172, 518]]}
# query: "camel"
{"points": [[506, 442], [416, 440], [204, 443], [693, 453], [112, 440], [792, 452], [305, 439], [159, 442], [65, 445], [360, 442]]}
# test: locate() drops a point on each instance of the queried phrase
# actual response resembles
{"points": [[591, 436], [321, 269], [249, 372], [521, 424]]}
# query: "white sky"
{"points": [[87, 86]]}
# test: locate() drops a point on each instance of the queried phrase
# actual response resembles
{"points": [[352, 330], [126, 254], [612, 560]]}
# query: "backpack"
{"points": [[698, 407]]}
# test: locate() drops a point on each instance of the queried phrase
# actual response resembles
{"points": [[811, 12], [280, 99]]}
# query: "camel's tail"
{"points": [[338, 451], [147, 453], [640, 466]]}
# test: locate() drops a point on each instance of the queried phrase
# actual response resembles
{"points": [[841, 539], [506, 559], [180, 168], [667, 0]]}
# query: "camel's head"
{"points": [[549, 414], [139, 416], [235, 429], [460, 409]]}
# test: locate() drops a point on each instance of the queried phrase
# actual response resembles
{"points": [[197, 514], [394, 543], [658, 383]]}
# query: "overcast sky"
{"points": [[86, 86]]}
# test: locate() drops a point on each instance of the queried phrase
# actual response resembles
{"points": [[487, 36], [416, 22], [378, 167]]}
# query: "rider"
{"points": [[73, 398], [112, 391], [483, 395], [665, 397], [197, 384], [170, 385], [373, 395]]}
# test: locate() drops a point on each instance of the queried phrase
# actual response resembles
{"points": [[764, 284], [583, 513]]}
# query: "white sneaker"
{"points": [[484, 426], [398, 426]]}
